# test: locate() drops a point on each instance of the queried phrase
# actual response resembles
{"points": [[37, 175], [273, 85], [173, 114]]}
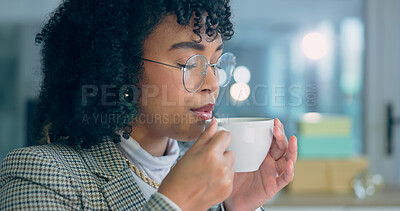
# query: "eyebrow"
{"points": [[192, 45]]}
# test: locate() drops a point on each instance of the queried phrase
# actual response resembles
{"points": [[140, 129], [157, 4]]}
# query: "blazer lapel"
{"points": [[119, 187], [123, 193]]}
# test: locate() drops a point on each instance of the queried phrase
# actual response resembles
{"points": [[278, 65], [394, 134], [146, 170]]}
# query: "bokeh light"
{"points": [[312, 117], [240, 91], [315, 45], [242, 74]]}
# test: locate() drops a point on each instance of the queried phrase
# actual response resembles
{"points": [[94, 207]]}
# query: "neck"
{"points": [[150, 141]]}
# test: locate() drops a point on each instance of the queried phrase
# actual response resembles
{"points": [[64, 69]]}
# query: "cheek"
{"points": [[164, 97], [163, 92], [168, 81]]}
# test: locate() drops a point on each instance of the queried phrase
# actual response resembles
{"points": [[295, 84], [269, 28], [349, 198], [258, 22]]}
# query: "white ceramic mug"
{"points": [[251, 140]]}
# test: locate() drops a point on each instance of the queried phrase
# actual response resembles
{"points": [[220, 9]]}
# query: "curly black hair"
{"points": [[91, 50]]}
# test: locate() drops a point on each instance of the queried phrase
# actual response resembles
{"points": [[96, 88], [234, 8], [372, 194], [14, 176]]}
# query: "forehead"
{"points": [[169, 32]]}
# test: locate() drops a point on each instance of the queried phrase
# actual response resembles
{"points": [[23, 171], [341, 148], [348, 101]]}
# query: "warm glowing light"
{"points": [[240, 91], [312, 117], [242, 74], [315, 45]]}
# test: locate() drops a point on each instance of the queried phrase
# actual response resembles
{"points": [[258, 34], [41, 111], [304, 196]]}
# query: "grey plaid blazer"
{"points": [[59, 177]]}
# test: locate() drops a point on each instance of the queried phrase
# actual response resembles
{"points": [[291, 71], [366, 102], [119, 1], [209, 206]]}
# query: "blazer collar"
{"points": [[104, 159], [119, 187]]}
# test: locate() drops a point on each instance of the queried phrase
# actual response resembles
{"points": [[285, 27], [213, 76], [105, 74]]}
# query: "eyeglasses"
{"points": [[195, 70]]}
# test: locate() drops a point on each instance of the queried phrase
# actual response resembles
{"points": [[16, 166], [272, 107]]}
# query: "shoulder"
{"points": [[45, 165], [43, 156], [39, 177]]}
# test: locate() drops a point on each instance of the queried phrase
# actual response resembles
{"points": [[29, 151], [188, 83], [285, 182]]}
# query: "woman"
{"points": [[113, 104]]}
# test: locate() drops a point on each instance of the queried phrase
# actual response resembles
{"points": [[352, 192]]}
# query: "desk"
{"points": [[387, 200]]}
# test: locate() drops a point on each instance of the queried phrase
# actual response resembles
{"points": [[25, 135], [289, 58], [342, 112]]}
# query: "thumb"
{"points": [[206, 136]]}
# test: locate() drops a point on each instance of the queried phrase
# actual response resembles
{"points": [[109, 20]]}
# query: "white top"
{"points": [[156, 168]]}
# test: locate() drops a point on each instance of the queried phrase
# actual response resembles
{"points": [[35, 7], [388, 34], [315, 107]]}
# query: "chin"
{"points": [[193, 132]]}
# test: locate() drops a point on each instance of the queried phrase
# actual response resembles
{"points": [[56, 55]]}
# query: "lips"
{"points": [[204, 112]]}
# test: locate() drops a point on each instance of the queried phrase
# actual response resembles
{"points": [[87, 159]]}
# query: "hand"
{"points": [[253, 189], [204, 175]]}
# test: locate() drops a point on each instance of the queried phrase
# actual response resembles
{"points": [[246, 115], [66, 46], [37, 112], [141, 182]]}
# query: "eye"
{"points": [[192, 66], [188, 67]]}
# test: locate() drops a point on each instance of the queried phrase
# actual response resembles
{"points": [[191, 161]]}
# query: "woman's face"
{"points": [[167, 109]]}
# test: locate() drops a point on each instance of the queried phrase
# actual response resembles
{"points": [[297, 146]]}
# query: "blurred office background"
{"points": [[329, 69]]}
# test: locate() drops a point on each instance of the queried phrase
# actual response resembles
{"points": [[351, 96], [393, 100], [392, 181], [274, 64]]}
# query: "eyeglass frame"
{"points": [[183, 68]]}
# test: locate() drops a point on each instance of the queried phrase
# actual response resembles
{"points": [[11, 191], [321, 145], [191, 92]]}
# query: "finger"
{"points": [[206, 136], [280, 165], [291, 154], [278, 123], [229, 158], [281, 139], [219, 142], [292, 149], [229, 178], [287, 176], [279, 144]]}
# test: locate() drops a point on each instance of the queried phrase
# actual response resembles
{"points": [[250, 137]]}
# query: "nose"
{"points": [[211, 83]]}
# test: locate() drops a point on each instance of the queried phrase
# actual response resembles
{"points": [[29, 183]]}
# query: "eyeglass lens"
{"points": [[196, 71]]}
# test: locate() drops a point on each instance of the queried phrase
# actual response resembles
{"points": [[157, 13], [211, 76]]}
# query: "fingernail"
{"points": [[213, 120]]}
